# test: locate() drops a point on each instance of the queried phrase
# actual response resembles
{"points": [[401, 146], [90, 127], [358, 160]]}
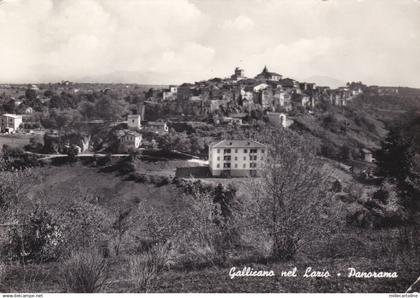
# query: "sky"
{"points": [[175, 41]]}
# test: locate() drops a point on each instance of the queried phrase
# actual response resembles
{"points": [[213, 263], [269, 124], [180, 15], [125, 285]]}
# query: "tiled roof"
{"points": [[237, 143]]}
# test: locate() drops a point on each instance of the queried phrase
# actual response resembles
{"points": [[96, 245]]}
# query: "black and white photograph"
{"points": [[209, 146]]}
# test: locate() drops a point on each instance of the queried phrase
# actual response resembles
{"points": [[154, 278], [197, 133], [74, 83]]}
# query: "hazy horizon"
{"points": [[169, 42]]}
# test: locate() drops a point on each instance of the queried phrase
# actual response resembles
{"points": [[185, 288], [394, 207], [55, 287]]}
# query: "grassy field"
{"points": [[14, 140], [111, 190]]}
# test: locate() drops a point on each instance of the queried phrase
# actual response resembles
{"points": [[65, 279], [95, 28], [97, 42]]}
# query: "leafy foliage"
{"points": [[37, 237]]}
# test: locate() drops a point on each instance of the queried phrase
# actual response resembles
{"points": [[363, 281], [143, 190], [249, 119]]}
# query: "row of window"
{"points": [[228, 165], [227, 151], [254, 157]]}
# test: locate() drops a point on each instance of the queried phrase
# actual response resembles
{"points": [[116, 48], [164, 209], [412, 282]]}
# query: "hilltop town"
{"points": [[116, 118]]}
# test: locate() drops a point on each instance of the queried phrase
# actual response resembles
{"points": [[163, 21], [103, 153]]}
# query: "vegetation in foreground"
{"points": [[76, 240]]}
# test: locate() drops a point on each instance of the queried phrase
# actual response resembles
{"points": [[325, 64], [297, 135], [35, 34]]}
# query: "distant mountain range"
{"points": [[325, 81], [133, 77], [127, 77]]}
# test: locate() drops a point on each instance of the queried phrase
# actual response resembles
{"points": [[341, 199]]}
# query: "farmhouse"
{"points": [[236, 158], [10, 122]]}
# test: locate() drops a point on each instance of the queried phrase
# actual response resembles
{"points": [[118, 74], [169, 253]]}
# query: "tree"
{"points": [[197, 145], [345, 153], [290, 203], [224, 197], [395, 161], [9, 107], [72, 153], [108, 108], [30, 94]]}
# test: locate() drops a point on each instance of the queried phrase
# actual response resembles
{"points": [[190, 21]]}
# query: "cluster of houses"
{"points": [[237, 95], [131, 138], [228, 101]]}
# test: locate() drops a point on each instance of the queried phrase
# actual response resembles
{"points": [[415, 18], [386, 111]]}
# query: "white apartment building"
{"points": [[10, 122], [236, 158]]}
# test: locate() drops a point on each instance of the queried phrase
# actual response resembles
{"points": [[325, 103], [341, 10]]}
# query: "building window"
{"points": [[226, 165], [262, 151], [217, 166], [236, 150], [218, 150], [226, 151], [245, 150], [253, 151], [262, 157], [236, 158], [236, 165], [218, 158], [244, 157], [226, 157], [244, 166]]}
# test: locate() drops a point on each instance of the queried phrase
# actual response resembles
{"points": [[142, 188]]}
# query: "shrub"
{"points": [[126, 167], [84, 224], [102, 161], [161, 181], [144, 269], [2, 275], [38, 238], [84, 272]]}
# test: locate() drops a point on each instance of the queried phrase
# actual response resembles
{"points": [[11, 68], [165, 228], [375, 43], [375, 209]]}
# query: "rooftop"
{"points": [[267, 73], [132, 133], [12, 115], [237, 143]]}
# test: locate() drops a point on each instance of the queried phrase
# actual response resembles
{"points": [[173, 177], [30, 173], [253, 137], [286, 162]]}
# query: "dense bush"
{"points": [[37, 237], [15, 159], [144, 269], [84, 272], [84, 224]]}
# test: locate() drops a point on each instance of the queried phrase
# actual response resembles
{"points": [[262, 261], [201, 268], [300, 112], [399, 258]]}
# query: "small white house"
{"points": [[279, 119], [131, 139], [134, 121], [10, 122], [367, 155]]}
